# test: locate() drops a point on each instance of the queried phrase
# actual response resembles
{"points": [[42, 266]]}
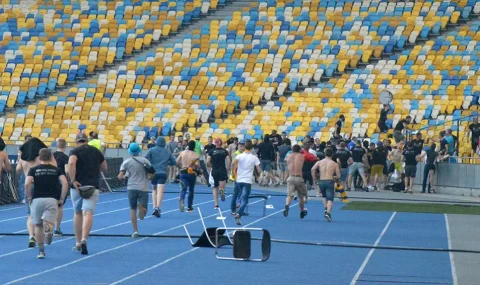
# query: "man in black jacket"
{"points": [[266, 154]]}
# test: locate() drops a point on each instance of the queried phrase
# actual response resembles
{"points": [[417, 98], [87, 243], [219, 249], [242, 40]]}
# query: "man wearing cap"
{"points": [[160, 158], [137, 186], [84, 166], [218, 161]]}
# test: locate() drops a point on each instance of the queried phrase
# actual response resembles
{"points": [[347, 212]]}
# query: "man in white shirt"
{"points": [[243, 167]]}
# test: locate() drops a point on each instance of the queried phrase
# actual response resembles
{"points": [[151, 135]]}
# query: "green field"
{"points": [[413, 207]]}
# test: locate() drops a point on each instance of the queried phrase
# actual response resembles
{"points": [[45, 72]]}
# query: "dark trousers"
{"points": [[187, 181], [426, 171], [205, 172]]}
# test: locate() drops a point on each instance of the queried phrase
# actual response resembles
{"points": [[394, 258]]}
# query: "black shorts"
{"points": [[391, 168], [385, 168], [474, 145], [430, 167], [410, 171], [219, 175]]}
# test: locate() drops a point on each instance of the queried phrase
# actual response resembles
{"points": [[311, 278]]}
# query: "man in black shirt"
{"points": [[379, 158], [209, 146], [46, 198], [401, 125], [338, 126], [418, 144], [382, 122], [84, 166], [266, 154], [410, 158], [62, 160], [359, 157], [474, 133], [342, 156], [218, 161]]}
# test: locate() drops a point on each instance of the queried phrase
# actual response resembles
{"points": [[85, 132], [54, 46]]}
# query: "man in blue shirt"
{"points": [[450, 144]]}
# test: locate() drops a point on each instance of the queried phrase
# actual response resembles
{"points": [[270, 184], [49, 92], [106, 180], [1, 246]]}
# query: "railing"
{"points": [[455, 122]]}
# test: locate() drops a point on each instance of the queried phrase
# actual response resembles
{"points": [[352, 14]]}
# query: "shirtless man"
{"points": [[190, 168], [295, 182], [329, 171]]}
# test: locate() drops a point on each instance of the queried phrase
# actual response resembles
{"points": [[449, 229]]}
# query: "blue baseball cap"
{"points": [[134, 149]]}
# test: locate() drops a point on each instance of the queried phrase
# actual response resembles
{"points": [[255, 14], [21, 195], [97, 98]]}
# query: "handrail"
{"points": [[444, 123]]}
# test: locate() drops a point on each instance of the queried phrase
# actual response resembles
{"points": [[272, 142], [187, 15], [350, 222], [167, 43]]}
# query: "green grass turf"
{"points": [[413, 207]]}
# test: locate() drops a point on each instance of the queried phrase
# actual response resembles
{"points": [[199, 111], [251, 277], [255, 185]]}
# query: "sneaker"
{"points": [[190, 209], [216, 207], [182, 205], [285, 212], [32, 242], [41, 255], [303, 214], [84, 247], [48, 235], [222, 194], [135, 235], [77, 248], [328, 216], [238, 220], [233, 213], [57, 233], [156, 212]]}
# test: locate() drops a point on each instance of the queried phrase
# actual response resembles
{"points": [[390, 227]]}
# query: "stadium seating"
{"points": [[46, 44], [212, 81]]}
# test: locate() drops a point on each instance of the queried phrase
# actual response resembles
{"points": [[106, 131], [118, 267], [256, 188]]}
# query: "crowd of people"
{"points": [[348, 163]]}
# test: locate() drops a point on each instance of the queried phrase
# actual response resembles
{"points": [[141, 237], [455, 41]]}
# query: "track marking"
{"points": [[94, 231], [112, 249], [65, 209], [452, 261], [185, 252], [370, 253]]}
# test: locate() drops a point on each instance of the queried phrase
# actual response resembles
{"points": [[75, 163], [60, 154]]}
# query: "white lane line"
{"points": [[94, 231], [369, 255], [12, 208], [65, 209], [185, 252], [95, 215], [109, 250], [452, 261]]}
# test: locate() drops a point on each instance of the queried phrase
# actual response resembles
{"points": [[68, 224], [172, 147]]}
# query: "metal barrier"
{"points": [[453, 175], [9, 186]]}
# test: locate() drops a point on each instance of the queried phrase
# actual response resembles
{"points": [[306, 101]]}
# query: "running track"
{"points": [[121, 260]]}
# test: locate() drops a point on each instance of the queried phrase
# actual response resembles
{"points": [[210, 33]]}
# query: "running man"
{"points": [[295, 182], [84, 166], [160, 158], [28, 158], [243, 166], [137, 185], [190, 168], [329, 172], [46, 199], [342, 157], [218, 162], [62, 160]]}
